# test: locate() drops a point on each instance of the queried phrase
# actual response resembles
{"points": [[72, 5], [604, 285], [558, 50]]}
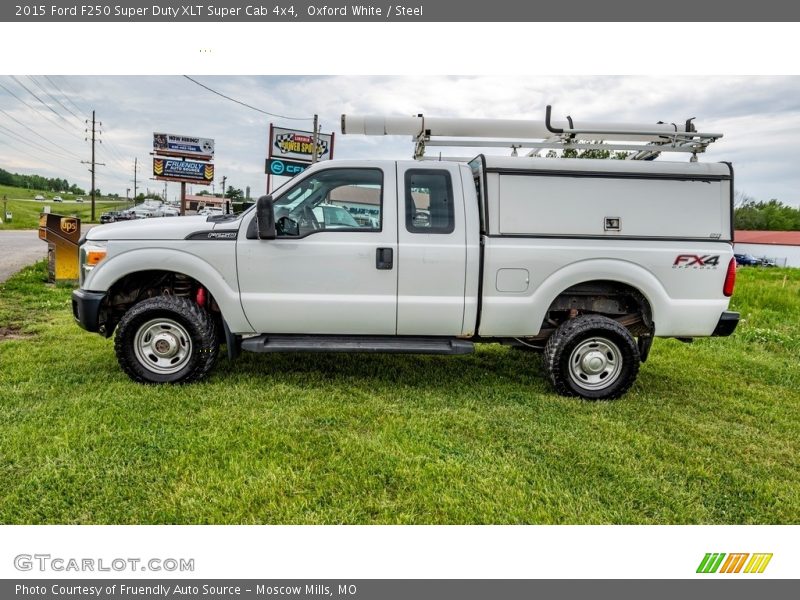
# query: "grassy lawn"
{"points": [[26, 211], [709, 434]]}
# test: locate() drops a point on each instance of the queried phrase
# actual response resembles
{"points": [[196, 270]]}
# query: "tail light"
{"points": [[730, 279]]}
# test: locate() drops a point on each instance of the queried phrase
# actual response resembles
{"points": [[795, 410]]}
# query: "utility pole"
{"points": [[135, 168], [224, 179], [315, 140], [93, 163]]}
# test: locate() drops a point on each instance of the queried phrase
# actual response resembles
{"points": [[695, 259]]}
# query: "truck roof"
{"points": [[524, 163]]}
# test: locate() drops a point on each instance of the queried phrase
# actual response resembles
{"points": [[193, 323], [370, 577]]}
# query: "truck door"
{"points": [[332, 268], [432, 254]]}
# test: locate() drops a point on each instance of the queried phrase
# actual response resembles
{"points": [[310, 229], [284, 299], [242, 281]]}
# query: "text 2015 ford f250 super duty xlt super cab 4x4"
{"points": [[585, 260]]}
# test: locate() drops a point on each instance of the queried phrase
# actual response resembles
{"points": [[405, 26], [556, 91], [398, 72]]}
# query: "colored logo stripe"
{"points": [[758, 563], [710, 562], [733, 564]]}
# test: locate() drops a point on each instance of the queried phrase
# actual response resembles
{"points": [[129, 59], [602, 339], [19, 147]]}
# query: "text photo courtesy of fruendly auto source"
{"points": [[421, 300]]}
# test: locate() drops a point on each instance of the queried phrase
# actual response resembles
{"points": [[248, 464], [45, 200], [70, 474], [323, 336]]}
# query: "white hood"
{"points": [[171, 228]]}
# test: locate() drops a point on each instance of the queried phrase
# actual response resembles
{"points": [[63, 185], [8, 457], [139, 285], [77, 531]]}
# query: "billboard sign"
{"points": [[285, 168], [169, 144], [292, 144], [189, 171]]}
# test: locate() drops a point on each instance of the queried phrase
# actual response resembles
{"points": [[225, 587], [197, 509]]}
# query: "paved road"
{"points": [[19, 248]]}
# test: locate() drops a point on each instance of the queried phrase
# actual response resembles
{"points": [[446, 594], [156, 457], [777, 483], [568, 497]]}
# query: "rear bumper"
{"points": [[86, 309], [726, 324]]}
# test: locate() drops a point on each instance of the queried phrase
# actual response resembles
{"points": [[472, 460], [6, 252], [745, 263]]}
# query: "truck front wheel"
{"points": [[166, 340], [593, 357]]}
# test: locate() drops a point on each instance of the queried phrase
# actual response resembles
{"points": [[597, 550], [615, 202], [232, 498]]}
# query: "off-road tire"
{"points": [[187, 317], [614, 350]]}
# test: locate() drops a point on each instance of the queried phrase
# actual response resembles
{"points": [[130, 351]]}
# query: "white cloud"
{"points": [[760, 117]]}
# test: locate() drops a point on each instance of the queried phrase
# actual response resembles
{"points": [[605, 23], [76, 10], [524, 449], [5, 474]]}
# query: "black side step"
{"points": [[357, 343]]}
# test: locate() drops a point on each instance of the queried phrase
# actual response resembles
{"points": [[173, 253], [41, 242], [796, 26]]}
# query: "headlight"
{"points": [[91, 253]]}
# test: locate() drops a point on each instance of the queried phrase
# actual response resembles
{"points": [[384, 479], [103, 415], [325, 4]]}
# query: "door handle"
{"points": [[384, 258]]}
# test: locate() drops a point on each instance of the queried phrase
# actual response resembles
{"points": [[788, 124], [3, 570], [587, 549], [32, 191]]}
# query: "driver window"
{"points": [[331, 200]]}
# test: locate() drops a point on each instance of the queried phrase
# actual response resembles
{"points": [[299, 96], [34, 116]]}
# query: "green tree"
{"points": [[234, 194], [588, 153], [772, 215]]}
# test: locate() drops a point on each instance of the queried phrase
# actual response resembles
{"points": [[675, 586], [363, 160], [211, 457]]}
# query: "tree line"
{"points": [[771, 215], [37, 182]]}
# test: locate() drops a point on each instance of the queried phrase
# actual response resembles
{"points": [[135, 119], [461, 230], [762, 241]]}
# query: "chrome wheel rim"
{"points": [[163, 346], [595, 363]]}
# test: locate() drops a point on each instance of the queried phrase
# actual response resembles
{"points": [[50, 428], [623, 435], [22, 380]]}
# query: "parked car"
{"points": [[109, 217], [767, 262], [335, 217], [209, 210], [746, 260]]}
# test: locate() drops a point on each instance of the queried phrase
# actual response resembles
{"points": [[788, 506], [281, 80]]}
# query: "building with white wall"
{"points": [[783, 247]]}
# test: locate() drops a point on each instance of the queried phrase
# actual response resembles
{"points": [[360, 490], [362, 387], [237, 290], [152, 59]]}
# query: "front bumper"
{"points": [[86, 309], [726, 324]]}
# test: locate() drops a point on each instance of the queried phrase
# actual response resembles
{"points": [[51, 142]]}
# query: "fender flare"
{"points": [[225, 293], [601, 269]]}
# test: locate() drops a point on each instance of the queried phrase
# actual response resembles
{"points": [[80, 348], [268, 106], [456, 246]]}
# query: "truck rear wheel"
{"points": [[593, 357], [166, 340]]}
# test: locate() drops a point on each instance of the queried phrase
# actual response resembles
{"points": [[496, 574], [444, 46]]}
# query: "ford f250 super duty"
{"points": [[584, 260]]}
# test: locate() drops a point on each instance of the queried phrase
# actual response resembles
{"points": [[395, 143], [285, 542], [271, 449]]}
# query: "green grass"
{"points": [[26, 211], [709, 434]]}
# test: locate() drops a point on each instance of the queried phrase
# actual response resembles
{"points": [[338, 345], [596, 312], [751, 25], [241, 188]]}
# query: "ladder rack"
{"points": [[646, 141]]}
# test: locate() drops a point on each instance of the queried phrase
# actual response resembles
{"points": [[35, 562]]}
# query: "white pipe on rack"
{"points": [[505, 128]]}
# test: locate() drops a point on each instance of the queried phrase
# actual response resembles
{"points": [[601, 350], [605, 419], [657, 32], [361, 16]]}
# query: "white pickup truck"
{"points": [[583, 260]]}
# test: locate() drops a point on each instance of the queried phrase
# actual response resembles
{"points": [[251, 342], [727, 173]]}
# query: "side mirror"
{"points": [[265, 218]]}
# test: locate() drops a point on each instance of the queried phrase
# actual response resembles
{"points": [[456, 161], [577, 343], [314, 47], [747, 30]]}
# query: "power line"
{"points": [[111, 147], [19, 138], [38, 158], [61, 104], [46, 105], [247, 105], [48, 140], [68, 85], [49, 119], [114, 154]]}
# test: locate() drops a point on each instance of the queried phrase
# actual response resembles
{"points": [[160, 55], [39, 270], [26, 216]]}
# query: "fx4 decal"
{"points": [[696, 261]]}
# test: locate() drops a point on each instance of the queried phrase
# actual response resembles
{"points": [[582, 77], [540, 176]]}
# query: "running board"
{"points": [[355, 343]]}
